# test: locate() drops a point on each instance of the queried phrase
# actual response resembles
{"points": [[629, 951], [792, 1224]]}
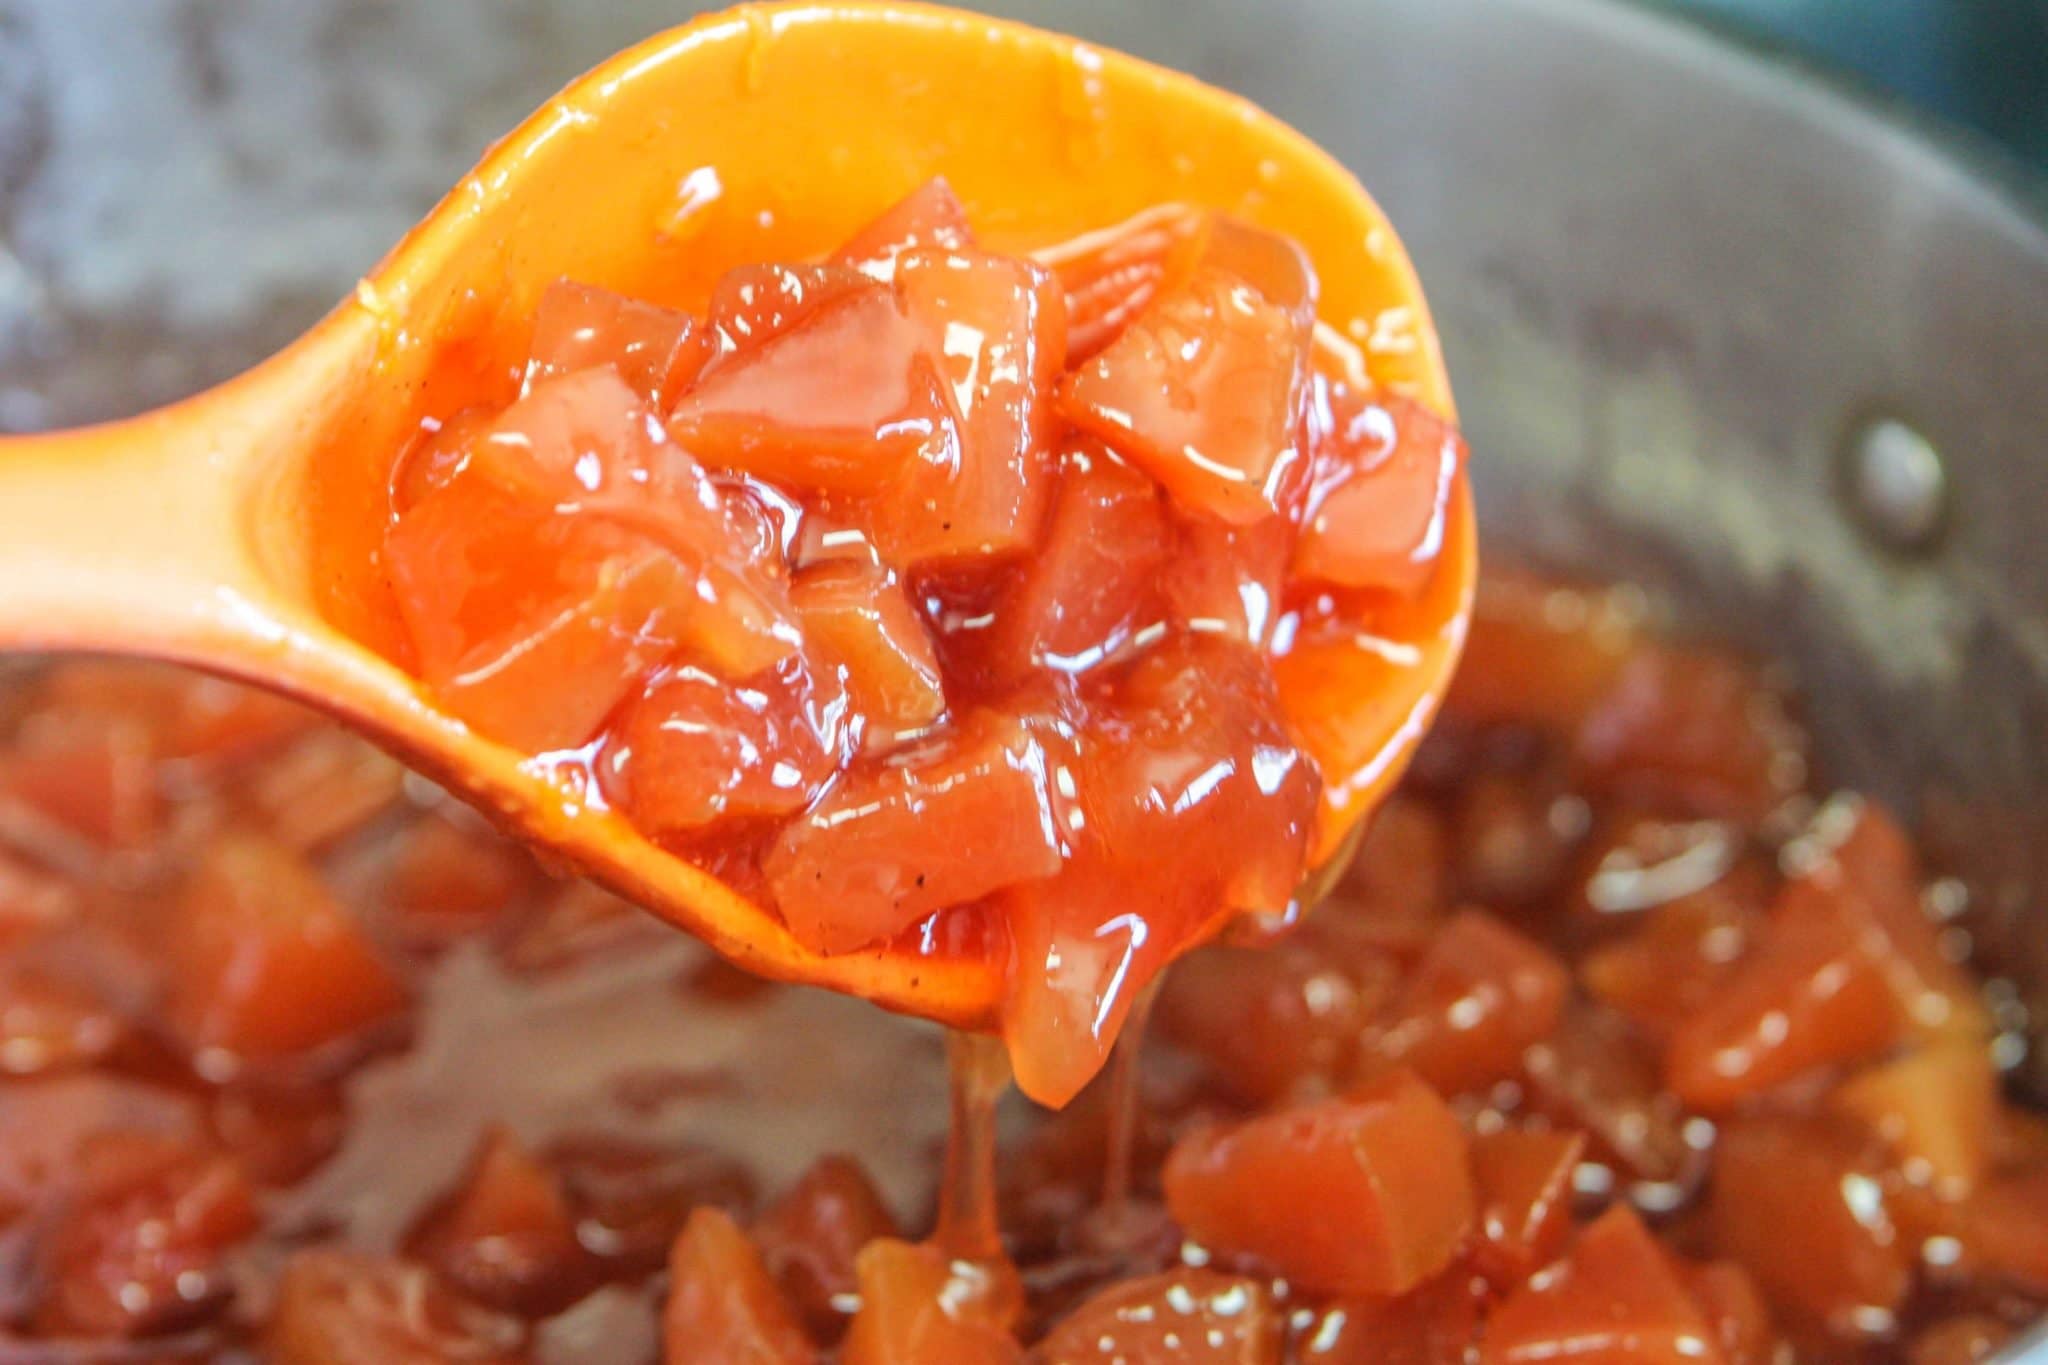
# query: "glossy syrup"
{"points": [[968, 1226]]}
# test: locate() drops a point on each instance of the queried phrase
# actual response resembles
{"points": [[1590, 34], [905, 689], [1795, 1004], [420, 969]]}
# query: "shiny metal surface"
{"points": [[1895, 482], [1673, 278]]}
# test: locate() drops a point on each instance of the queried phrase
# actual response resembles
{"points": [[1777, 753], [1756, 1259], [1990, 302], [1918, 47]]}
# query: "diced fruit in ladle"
{"points": [[846, 401], [1202, 390], [929, 216], [866, 595], [996, 326], [658, 352], [938, 825], [860, 620], [619, 468]]}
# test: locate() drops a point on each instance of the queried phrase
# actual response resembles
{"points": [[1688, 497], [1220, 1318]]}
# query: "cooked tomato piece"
{"points": [[1734, 1307], [1076, 966], [1936, 1107], [1511, 850], [1596, 1073], [2001, 1231], [632, 1197], [52, 1021], [932, 826], [448, 878], [1481, 995], [1269, 262], [1524, 1181], [1675, 963], [1185, 749], [1398, 888], [507, 1237], [49, 1123], [821, 539], [213, 721], [1963, 1339], [918, 1308], [811, 1235], [723, 1309], [1541, 653], [530, 626], [32, 900], [339, 1308], [264, 963], [1275, 1023], [1436, 1324], [997, 328], [1111, 275], [929, 216], [1202, 392], [589, 448], [2017, 1137], [140, 1244], [1614, 1299], [104, 961], [586, 442], [328, 785], [742, 621], [753, 304], [694, 750], [1179, 1317], [657, 351], [1692, 732], [1807, 997], [1092, 589], [1228, 580], [1800, 1203], [846, 401], [1190, 749], [1862, 873], [441, 451], [1368, 1194], [279, 1132], [83, 772], [858, 618], [145, 692], [1380, 495], [576, 551]]}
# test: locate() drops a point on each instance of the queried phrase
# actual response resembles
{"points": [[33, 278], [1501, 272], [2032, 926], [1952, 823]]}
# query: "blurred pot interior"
{"points": [[1677, 282]]}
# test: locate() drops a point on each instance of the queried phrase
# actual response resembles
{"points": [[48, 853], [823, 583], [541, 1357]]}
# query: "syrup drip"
{"points": [[1124, 1097], [967, 1226]]}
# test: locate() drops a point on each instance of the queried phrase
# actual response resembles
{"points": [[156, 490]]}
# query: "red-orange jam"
{"points": [[926, 582], [1616, 1045]]}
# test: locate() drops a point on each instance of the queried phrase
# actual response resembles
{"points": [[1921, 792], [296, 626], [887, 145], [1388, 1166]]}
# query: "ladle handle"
{"points": [[118, 538], [153, 535]]}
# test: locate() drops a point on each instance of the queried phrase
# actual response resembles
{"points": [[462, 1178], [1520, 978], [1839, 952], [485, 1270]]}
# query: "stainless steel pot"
{"points": [[1678, 282]]}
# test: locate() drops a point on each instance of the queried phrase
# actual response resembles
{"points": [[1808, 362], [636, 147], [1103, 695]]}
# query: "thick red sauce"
{"points": [[930, 593], [1617, 1043]]}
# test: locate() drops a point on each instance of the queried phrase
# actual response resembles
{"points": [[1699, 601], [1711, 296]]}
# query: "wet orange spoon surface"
{"points": [[240, 531]]}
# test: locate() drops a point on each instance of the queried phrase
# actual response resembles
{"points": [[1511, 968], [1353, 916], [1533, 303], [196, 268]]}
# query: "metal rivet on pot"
{"points": [[1894, 482]]}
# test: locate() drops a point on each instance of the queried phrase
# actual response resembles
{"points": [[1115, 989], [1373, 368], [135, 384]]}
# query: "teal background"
{"points": [[1979, 63]]}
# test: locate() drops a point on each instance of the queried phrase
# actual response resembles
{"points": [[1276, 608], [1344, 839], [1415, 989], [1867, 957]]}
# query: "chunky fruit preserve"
{"points": [[1617, 1043], [927, 593]]}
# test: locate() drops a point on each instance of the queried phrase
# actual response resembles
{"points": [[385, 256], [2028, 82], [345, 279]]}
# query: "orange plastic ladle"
{"points": [[239, 530]]}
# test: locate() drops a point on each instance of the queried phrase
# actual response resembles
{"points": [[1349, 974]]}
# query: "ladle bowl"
{"points": [[240, 530]]}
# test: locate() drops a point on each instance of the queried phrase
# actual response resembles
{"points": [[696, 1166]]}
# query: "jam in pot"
{"points": [[1618, 1042]]}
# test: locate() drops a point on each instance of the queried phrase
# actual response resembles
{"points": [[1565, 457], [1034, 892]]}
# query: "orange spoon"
{"points": [[238, 531]]}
